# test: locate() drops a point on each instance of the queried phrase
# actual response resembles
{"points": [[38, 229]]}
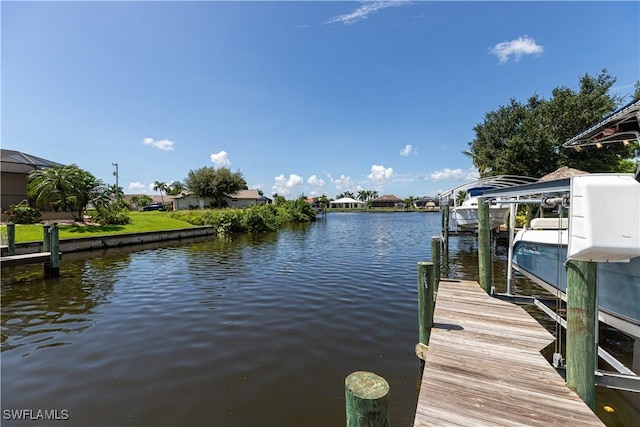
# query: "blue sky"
{"points": [[301, 97]]}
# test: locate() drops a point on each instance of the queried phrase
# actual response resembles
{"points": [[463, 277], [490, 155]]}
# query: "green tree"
{"points": [[526, 138], [160, 186], [64, 186], [86, 188], [52, 185], [211, 183], [175, 188]]}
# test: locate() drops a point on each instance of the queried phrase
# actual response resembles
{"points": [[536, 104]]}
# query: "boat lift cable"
{"points": [[557, 357]]}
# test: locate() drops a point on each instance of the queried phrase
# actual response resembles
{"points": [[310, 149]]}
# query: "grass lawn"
{"points": [[140, 222]]}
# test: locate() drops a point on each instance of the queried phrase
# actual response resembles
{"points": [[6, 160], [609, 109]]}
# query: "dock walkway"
{"points": [[484, 367]]}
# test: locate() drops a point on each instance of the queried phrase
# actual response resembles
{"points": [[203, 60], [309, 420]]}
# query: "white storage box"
{"points": [[604, 220]]}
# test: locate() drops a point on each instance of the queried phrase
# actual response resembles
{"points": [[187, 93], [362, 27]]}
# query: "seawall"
{"points": [[78, 244]]}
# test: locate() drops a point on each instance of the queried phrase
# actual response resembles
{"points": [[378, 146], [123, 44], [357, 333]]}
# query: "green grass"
{"points": [[140, 222]]}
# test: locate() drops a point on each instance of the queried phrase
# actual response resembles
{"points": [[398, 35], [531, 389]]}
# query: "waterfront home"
{"points": [[15, 167], [387, 201], [346, 203], [240, 199]]}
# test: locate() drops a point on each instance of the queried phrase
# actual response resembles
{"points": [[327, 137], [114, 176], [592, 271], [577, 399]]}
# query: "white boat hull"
{"points": [[540, 256]]}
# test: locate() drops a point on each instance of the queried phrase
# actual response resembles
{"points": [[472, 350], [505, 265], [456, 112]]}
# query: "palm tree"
{"points": [[86, 188], [52, 185], [175, 188], [160, 186], [363, 195]]}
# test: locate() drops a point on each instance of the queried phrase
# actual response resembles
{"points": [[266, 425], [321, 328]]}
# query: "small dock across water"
{"points": [[483, 367]]}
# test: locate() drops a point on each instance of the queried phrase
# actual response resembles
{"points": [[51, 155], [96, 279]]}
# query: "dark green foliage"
{"points": [[526, 138], [254, 219], [257, 219], [211, 183], [22, 213], [110, 215]]}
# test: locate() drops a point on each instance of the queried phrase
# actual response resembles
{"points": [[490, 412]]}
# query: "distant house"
{"points": [[387, 201], [346, 203], [15, 167], [427, 203], [241, 199]]}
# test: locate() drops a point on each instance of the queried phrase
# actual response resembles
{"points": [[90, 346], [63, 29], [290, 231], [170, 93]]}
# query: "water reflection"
{"points": [[247, 330]]}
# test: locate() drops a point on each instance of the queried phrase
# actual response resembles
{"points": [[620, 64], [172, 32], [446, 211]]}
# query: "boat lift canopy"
{"points": [[622, 126]]}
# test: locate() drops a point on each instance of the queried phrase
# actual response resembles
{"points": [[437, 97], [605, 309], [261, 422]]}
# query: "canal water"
{"points": [[250, 330]]}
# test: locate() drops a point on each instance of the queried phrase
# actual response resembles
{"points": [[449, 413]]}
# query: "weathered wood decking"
{"points": [[484, 367], [35, 258]]}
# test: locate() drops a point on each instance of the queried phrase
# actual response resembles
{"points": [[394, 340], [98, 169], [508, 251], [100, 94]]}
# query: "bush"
{"points": [[257, 219], [110, 216], [22, 213]]}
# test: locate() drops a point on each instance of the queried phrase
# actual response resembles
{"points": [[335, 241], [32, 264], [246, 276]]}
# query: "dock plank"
{"points": [[484, 367], [33, 258]]}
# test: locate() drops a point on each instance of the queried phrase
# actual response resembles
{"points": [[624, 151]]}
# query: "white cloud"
{"points": [[517, 48], [379, 174], [286, 186], [220, 159], [315, 181], [408, 149], [137, 187], [455, 174], [162, 144], [364, 11], [343, 183]]}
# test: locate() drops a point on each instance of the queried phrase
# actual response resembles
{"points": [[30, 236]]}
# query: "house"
{"points": [[387, 201], [427, 203], [15, 167], [241, 199], [346, 203]]}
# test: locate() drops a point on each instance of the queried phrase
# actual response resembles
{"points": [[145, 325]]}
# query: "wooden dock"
{"points": [[484, 367]]}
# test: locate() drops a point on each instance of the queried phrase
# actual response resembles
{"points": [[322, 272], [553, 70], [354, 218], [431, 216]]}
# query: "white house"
{"points": [[346, 202], [241, 199]]}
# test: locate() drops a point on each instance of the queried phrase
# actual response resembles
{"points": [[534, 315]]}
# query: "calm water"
{"points": [[245, 331]]}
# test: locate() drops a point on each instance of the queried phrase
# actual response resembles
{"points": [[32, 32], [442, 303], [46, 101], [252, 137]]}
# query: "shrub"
{"points": [[110, 215], [258, 219], [22, 213]]}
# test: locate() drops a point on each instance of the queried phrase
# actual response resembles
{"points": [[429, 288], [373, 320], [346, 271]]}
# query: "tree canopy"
{"points": [[65, 187], [526, 138], [209, 182]]}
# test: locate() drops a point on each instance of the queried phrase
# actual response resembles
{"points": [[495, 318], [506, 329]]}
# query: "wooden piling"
{"points": [[484, 249], [46, 238], [435, 258], [426, 284], [52, 268], [11, 239], [445, 227], [581, 326], [367, 400]]}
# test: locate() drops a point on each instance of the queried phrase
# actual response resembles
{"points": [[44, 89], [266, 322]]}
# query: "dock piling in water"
{"points": [[484, 248], [11, 238], [581, 339], [426, 285], [367, 400]]}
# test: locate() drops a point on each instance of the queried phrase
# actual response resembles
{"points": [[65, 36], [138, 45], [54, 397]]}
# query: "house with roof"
{"points": [[240, 199], [387, 201], [15, 167], [346, 203]]}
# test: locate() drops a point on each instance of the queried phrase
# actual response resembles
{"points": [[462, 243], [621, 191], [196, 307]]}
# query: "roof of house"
{"points": [[242, 194], [388, 198], [346, 200], [21, 163]]}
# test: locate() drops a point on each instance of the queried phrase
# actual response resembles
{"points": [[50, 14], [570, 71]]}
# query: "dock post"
{"points": [[445, 227], [435, 258], [581, 326], [11, 239], [53, 267], [426, 280], [484, 249], [46, 239], [367, 400]]}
